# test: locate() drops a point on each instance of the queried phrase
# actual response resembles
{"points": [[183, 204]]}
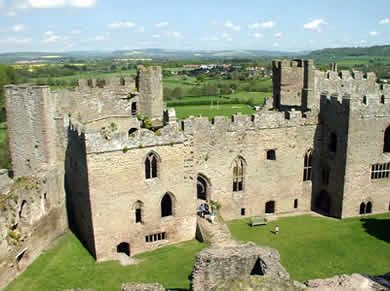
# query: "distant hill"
{"points": [[373, 51]]}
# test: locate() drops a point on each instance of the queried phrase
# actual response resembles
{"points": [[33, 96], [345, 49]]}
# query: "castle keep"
{"points": [[133, 175]]}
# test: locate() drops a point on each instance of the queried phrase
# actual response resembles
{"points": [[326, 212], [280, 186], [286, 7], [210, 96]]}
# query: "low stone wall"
{"points": [[142, 287], [32, 216], [214, 266]]}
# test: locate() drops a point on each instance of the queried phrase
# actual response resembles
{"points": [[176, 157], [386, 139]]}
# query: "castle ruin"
{"points": [[131, 176]]}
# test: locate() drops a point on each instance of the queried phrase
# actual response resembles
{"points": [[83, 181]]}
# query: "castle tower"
{"points": [[293, 84], [31, 128], [149, 85]]}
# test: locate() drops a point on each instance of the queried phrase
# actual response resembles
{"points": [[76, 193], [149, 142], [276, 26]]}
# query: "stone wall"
{"points": [[32, 216], [214, 266], [31, 128]]}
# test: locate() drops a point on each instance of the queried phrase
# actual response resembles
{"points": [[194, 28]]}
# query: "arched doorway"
{"points": [[123, 247], [166, 205], [362, 209], [202, 188], [270, 207], [369, 207], [323, 202]]}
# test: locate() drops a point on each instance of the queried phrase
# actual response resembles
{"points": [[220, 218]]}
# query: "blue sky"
{"points": [[64, 25]]}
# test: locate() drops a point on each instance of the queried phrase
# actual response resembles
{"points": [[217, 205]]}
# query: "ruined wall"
{"points": [[32, 216], [216, 145], [31, 127], [116, 175], [367, 124], [214, 266], [293, 84], [149, 85]]}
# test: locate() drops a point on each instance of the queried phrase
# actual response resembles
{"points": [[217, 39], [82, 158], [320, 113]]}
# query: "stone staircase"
{"points": [[217, 234]]}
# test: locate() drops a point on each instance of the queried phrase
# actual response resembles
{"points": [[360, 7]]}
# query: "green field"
{"points": [[318, 247], [68, 265], [310, 247], [211, 111]]}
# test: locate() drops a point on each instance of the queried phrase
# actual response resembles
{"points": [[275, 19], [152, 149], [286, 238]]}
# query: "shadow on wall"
{"points": [[378, 228], [78, 204]]}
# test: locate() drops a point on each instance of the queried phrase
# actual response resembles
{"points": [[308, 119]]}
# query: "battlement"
{"points": [[296, 63], [113, 82]]}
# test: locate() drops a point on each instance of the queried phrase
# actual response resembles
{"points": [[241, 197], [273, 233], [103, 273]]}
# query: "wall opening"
{"points": [[270, 207], [124, 248], [132, 130], [134, 108], [243, 212], [362, 208], [295, 203], [386, 141], [166, 205], [271, 155], [307, 166], [332, 142], [369, 207], [323, 202], [238, 174], [257, 269], [151, 166], [201, 188]]}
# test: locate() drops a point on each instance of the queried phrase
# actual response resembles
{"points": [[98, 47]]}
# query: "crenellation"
{"points": [[123, 152]]}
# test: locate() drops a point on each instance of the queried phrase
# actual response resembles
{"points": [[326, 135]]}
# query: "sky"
{"points": [[284, 25]]}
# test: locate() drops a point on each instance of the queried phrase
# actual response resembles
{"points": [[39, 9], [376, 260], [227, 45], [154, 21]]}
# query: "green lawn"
{"points": [[316, 247], [211, 111], [310, 247], [69, 265]]}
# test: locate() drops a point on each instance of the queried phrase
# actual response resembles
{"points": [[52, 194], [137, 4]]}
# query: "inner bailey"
{"points": [[132, 186]]}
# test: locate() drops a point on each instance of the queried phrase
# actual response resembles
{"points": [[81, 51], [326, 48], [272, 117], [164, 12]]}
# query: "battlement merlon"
{"points": [[31, 120], [126, 82]]}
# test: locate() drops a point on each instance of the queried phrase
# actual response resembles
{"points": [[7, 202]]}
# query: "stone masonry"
{"points": [[134, 175]]}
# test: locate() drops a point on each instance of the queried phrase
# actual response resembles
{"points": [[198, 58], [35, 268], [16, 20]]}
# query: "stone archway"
{"points": [[202, 188], [124, 248]]}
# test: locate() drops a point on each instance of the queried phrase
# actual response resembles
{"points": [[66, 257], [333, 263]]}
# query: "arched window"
{"points": [[362, 209], [238, 174], [332, 142], [307, 165], [151, 166], [386, 141], [201, 188], [270, 207], [166, 205], [369, 207], [138, 211]]}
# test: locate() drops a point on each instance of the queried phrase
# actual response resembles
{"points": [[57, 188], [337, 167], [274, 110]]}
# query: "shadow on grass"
{"points": [[378, 228]]}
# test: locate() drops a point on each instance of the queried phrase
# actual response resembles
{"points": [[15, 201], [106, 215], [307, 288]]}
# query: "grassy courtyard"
{"points": [[317, 247], [310, 247]]}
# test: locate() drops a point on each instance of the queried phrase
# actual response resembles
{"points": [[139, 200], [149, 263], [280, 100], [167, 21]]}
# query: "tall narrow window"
{"points": [[201, 188], [238, 174], [138, 209], [386, 141], [362, 208], [332, 142], [369, 207], [151, 166], [134, 108], [307, 165], [295, 203]]}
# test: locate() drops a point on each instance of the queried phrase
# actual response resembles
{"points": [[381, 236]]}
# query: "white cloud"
{"points": [[156, 36], [141, 29], [211, 38], [60, 3], [315, 24], [19, 27], [121, 24], [230, 25], [15, 41], [161, 24], [265, 24], [275, 44], [226, 36], [374, 33], [384, 21], [174, 34], [75, 31], [278, 34], [51, 37], [256, 35]]}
